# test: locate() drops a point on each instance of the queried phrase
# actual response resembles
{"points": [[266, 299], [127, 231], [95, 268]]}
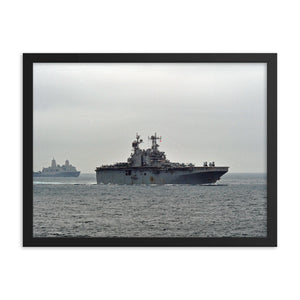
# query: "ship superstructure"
{"points": [[66, 170], [150, 166]]}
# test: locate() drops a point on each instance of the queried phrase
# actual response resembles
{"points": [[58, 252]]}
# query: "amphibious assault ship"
{"points": [[151, 166], [54, 170]]}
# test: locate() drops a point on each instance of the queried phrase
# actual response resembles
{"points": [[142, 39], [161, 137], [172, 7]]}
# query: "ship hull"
{"points": [[196, 175], [58, 174]]}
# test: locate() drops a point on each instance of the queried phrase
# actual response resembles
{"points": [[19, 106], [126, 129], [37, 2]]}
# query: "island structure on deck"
{"points": [[150, 166]]}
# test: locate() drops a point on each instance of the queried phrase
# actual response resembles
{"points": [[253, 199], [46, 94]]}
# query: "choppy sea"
{"points": [[77, 207]]}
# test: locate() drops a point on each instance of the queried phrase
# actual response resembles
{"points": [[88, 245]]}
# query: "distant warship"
{"points": [[65, 170], [151, 167]]}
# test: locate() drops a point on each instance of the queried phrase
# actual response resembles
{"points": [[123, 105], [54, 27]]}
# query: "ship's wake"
{"points": [[62, 183]]}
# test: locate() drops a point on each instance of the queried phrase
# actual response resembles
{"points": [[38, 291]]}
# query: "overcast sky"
{"points": [[90, 113]]}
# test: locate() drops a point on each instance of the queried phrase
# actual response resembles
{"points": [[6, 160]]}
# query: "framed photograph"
{"points": [[150, 149]]}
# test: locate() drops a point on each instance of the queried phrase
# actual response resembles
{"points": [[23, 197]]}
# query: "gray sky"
{"points": [[90, 113]]}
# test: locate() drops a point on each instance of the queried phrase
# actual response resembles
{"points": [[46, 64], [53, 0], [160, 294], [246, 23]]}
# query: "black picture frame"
{"points": [[270, 58]]}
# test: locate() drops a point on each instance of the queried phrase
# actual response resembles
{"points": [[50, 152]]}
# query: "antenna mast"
{"points": [[154, 143]]}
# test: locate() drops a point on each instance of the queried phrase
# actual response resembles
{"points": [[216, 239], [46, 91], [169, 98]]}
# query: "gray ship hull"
{"points": [[195, 175], [58, 174]]}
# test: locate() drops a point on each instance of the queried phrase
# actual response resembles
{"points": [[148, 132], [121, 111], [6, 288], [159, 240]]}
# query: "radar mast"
{"points": [[135, 143]]}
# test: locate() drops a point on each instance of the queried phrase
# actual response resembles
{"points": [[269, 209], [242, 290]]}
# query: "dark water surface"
{"points": [[78, 207]]}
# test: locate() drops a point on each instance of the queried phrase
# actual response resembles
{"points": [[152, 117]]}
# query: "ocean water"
{"points": [[78, 207]]}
